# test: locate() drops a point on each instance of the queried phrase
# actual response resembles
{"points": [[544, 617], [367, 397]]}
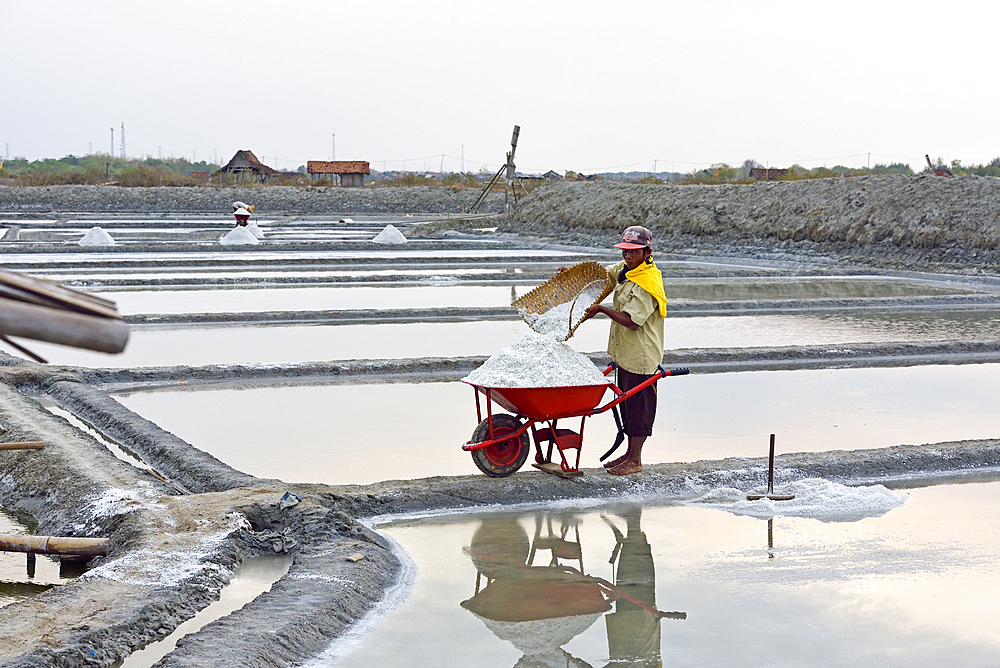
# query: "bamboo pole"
{"points": [[86, 547], [40, 323], [28, 445]]}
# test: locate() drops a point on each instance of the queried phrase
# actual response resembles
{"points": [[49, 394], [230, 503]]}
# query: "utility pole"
{"points": [[442, 164], [333, 148], [123, 141], [112, 151]]}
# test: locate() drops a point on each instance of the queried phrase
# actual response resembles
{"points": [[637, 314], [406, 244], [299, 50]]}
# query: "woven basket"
{"points": [[566, 286]]}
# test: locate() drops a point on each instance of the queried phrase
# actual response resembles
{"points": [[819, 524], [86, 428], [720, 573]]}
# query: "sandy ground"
{"points": [[175, 544]]}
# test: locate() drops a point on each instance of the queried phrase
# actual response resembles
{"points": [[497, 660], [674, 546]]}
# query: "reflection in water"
{"points": [[633, 628], [24, 575], [539, 608]]}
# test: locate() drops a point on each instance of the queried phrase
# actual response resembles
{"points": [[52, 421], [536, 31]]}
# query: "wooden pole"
{"points": [[28, 445], [86, 547], [104, 335]]}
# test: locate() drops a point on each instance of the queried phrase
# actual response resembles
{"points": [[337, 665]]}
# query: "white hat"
{"points": [[239, 205]]}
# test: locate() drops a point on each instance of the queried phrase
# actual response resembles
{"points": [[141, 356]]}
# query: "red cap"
{"points": [[635, 237]]}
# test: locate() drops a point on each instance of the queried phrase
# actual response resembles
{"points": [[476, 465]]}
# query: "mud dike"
{"points": [[181, 521]]}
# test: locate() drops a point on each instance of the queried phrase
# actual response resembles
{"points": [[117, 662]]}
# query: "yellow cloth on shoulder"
{"points": [[649, 277]]}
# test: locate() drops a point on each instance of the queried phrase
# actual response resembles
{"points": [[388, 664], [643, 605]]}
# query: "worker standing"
{"points": [[635, 341], [242, 213]]}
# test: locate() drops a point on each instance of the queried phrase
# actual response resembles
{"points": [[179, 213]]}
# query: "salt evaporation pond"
{"points": [[908, 586], [310, 298], [163, 345], [167, 258], [329, 433]]}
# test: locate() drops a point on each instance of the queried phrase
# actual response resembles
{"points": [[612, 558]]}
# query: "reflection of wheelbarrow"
{"points": [[518, 591], [500, 446]]}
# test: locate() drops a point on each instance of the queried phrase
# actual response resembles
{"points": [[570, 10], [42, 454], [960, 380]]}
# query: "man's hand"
{"points": [[621, 317]]}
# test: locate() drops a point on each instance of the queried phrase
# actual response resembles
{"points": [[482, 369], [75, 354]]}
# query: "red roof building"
{"points": [[351, 173]]}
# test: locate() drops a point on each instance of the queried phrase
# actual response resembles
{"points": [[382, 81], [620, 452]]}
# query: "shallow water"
{"points": [[100, 259], [168, 345], [255, 576], [311, 298], [19, 577], [812, 287], [910, 587], [328, 433]]}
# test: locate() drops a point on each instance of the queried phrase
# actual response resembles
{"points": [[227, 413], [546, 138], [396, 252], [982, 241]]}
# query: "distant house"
{"points": [[245, 162], [351, 173], [769, 174], [552, 175]]}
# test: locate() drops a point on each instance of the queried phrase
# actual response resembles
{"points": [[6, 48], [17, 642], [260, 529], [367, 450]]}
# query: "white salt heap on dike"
{"points": [[255, 231], [239, 235], [390, 235], [537, 360], [97, 237]]}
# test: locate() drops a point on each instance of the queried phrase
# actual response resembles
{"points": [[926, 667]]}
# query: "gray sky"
{"points": [[595, 86]]}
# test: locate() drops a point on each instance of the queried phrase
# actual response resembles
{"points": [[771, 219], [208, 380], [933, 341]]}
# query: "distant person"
{"points": [[635, 341], [242, 217]]}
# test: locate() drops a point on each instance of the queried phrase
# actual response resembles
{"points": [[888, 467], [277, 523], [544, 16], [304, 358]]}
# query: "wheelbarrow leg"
{"points": [[562, 439]]}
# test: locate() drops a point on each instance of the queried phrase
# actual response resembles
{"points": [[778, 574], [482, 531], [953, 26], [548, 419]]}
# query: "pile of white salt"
{"points": [[537, 360], [238, 236], [390, 235], [560, 320], [97, 237], [255, 231]]}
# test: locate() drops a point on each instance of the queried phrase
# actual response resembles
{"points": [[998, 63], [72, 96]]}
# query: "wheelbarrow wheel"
{"points": [[506, 457]]}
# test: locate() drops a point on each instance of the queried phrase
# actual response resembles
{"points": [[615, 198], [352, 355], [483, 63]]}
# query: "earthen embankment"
{"points": [[921, 218]]}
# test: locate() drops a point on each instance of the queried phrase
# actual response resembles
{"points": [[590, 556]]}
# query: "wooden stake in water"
{"points": [[770, 481]]}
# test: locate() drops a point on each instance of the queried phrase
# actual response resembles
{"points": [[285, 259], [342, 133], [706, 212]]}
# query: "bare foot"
{"points": [[615, 462], [625, 468]]}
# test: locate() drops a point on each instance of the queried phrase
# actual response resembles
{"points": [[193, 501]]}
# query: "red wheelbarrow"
{"points": [[500, 446]]}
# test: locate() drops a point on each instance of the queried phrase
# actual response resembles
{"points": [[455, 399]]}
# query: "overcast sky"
{"points": [[595, 86]]}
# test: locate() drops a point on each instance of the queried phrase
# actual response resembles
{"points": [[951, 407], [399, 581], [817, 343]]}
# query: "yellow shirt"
{"points": [[640, 350]]}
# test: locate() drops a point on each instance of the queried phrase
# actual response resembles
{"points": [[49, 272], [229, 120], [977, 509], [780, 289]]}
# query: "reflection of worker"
{"points": [[635, 341], [633, 633]]}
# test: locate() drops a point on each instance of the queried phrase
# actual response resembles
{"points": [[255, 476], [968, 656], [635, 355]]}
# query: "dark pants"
{"points": [[638, 411]]}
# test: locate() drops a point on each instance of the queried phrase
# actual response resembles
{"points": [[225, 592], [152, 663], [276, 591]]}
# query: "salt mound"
{"points": [[556, 321], [390, 235], [537, 360], [347, 220], [255, 231], [814, 497], [97, 237], [239, 235]]}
